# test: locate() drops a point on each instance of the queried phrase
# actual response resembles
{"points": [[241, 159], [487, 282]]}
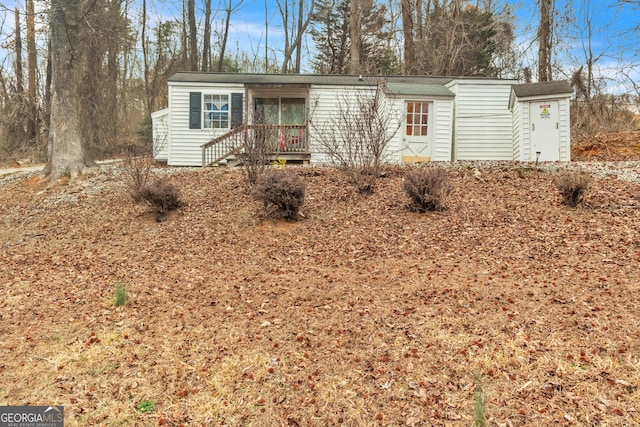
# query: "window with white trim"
{"points": [[216, 111]]}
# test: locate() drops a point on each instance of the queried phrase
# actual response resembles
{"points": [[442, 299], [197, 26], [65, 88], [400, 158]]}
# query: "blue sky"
{"points": [[612, 41]]}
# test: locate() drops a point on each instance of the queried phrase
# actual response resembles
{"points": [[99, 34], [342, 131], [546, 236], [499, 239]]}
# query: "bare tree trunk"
{"points": [[206, 42], [225, 35], [193, 35], [355, 33], [294, 45], [545, 41], [33, 123], [145, 59], [409, 34], [19, 73], [67, 151]]}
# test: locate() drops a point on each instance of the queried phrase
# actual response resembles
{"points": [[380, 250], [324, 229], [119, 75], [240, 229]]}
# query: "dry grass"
{"points": [[364, 313]]}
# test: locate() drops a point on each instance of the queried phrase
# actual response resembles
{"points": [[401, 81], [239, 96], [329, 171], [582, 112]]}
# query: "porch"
{"points": [[288, 142]]}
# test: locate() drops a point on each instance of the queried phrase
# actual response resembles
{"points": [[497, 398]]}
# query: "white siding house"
{"points": [[430, 118]]}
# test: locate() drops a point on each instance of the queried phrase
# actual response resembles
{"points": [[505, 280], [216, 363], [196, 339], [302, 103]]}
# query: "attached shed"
{"points": [[482, 120], [541, 121]]}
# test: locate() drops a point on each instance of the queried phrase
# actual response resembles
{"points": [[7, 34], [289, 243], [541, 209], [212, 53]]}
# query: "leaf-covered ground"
{"points": [[362, 314]]}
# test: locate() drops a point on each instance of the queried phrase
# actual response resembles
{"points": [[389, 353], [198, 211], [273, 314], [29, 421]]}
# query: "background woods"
{"points": [[121, 54]]}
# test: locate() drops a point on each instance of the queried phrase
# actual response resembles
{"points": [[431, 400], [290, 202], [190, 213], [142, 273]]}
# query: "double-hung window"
{"points": [[216, 111]]}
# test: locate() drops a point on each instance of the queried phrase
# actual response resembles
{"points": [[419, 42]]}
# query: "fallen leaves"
{"points": [[363, 312]]}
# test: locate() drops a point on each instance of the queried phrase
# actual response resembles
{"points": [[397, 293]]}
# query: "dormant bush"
{"points": [[282, 189], [428, 189]]}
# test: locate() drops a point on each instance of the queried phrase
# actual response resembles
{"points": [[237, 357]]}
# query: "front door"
{"points": [[417, 136], [545, 135]]}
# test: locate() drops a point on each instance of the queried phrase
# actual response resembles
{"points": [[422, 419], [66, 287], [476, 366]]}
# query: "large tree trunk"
{"points": [[408, 32], [544, 38], [67, 152]]}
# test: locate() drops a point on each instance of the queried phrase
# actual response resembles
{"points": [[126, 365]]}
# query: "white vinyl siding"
{"points": [[483, 125], [184, 149], [522, 127], [160, 132]]}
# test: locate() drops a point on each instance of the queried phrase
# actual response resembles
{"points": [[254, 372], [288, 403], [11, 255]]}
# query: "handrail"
{"points": [[279, 138]]}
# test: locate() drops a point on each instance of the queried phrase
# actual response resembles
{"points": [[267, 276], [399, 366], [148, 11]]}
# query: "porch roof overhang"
{"points": [[413, 89]]}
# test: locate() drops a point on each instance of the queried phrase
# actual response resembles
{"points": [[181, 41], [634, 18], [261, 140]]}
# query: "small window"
{"points": [[216, 111]]}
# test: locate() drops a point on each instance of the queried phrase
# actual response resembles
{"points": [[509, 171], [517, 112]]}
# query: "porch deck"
{"points": [[288, 142]]}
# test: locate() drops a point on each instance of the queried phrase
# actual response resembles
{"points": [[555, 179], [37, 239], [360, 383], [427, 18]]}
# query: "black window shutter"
{"points": [[236, 110], [195, 105]]}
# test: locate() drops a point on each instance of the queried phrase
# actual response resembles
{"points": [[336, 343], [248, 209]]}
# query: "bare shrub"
{"points": [[136, 169], [428, 189], [162, 196], [572, 187], [356, 137], [257, 144], [283, 189]]}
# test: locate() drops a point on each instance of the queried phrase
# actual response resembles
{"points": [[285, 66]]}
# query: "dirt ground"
{"points": [[362, 314]]}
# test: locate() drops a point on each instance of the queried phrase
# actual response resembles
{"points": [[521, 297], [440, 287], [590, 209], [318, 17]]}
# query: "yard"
{"points": [[362, 314]]}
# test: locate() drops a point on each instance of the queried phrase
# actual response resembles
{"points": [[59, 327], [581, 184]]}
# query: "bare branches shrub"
{"points": [[572, 187], [428, 189], [357, 135], [282, 189], [162, 196], [257, 143], [136, 169]]}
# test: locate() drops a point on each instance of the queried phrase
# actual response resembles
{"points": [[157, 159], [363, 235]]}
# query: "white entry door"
{"points": [[417, 135], [544, 132]]}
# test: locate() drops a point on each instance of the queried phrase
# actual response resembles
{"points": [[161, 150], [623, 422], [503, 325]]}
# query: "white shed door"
{"points": [[417, 135], [544, 131]]}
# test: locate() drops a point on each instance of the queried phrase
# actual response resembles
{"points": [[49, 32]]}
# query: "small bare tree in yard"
{"points": [[356, 137], [257, 143]]}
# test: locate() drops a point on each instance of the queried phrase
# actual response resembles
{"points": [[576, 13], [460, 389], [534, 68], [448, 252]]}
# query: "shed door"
{"points": [[417, 135], [544, 131]]}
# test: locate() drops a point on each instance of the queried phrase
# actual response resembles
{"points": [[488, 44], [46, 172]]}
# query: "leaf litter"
{"points": [[363, 313]]}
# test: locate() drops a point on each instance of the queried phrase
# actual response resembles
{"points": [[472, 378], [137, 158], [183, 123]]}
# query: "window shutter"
{"points": [[195, 110], [236, 110]]}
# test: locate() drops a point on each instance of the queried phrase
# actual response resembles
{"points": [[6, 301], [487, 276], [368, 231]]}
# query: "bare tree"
{"points": [[32, 59], [229, 11], [294, 25], [206, 40], [356, 137], [545, 40], [67, 156], [193, 34]]}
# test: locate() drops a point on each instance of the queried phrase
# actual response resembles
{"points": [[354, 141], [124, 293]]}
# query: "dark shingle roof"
{"points": [[316, 79], [541, 89]]}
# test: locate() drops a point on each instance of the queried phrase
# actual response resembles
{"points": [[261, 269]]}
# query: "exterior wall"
{"points": [[517, 131], [325, 105], [483, 124], [523, 126], [160, 132], [443, 130], [184, 148], [565, 129]]}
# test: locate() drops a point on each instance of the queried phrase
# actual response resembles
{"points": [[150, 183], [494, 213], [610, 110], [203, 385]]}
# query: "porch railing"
{"points": [[277, 138]]}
